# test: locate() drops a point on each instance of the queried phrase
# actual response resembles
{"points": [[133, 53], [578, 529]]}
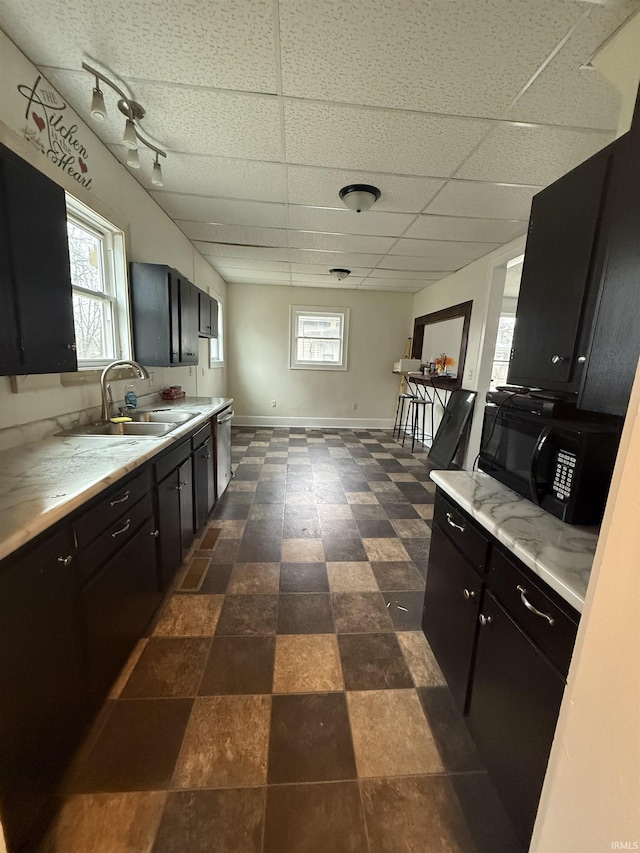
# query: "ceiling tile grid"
{"points": [[459, 112]]}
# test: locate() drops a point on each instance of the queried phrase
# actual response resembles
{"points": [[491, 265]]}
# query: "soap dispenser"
{"points": [[130, 397]]}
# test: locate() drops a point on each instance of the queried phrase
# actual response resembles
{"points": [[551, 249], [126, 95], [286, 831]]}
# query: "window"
{"points": [[216, 345], [98, 278], [502, 354], [319, 338]]}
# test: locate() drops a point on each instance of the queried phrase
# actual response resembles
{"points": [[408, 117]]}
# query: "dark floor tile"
{"points": [[267, 550], [269, 493], [239, 665], [419, 813], [398, 576], [306, 613], [262, 528], [216, 579], [225, 551], [310, 739], [315, 819], [302, 528], [246, 471], [222, 821], [303, 577], [368, 512], [456, 748], [300, 512], [391, 466], [414, 493], [354, 484], [418, 549], [343, 550], [405, 609], [244, 615], [377, 476], [229, 511], [168, 667], [151, 730], [373, 528], [339, 528], [329, 494], [360, 612], [398, 509], [486, 818], [373, 662]]}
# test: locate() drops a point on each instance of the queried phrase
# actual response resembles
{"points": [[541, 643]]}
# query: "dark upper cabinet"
{"points": [[208, 315], [36, 308], [164, 311]]}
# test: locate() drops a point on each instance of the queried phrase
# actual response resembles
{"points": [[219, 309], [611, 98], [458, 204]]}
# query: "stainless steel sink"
{"points": [[163, 416], [129, 428]]}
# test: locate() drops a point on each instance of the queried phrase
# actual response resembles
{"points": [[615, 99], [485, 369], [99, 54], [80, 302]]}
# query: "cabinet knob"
{"points": [[207, 456], [485, 620], [66, 561], [468, 594], [558, 359], [183, 483], [155, 533], [71, 346], [582, 359]]}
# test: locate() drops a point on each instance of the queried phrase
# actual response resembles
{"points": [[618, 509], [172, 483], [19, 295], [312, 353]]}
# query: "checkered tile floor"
{"points": [[287, 700]]}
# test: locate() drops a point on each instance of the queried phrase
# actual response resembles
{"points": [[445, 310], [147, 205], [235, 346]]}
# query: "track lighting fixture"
{"points": [[340, 274], [133, 112], [359, 197]]}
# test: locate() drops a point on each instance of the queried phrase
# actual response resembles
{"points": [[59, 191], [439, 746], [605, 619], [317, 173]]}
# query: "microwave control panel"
{"points": [[563, 477]]}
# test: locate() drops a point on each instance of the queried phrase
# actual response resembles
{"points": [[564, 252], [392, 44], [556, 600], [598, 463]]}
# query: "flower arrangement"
{"points": [[442, 362]]}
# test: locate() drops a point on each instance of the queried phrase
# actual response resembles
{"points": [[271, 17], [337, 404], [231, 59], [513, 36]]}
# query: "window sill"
{"points": [[216, 365]]}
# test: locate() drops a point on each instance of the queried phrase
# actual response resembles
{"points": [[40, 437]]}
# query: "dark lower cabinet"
{"points": [[450, 616], [513, 710], [43, 707], [117, 605], [169, 541], [203, 483], [185, 483]]}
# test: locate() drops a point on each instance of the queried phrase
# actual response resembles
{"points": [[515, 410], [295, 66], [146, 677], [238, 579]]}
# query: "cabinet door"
{"points": [[188, 322], [450, 613], [152, 315], [36, 320], [203, 483], [515, 699], [185, 481], [174, 316], [555, 278], [204, 314], [118, 603], [170, 550], [43, 710]]}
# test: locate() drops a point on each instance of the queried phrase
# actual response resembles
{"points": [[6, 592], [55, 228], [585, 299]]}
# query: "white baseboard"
{"points": [[329, 423]]}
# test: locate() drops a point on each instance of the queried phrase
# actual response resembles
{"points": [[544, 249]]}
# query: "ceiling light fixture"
{"points": [[340, 274], [133, 112], [359, 197]]}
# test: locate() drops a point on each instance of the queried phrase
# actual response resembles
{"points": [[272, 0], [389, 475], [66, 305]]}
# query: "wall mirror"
{"points": [[445, 331]]}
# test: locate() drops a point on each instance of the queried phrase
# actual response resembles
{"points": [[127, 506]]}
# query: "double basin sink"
{"points": [[151, 424]]}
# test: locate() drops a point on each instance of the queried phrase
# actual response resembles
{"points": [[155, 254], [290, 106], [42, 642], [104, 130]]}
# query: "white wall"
{"points": [[619, 62], [258, 352], [483, 282], [150, 236]]}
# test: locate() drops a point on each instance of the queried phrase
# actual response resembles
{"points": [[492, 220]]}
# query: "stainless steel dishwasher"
{"points": [[223, 450]]}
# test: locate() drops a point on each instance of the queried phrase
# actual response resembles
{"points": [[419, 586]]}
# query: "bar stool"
{"points": [[402, 422], [418, 411]]}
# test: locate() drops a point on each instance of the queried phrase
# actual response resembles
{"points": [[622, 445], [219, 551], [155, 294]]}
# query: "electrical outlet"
{"points": [[273, 404], [355, 405], [469, 375]]}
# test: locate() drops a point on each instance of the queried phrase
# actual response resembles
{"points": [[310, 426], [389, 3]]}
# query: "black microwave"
{"points": [[563, 466]]}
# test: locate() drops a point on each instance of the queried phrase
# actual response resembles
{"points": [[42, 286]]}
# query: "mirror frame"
{"points": [[463, 309]]}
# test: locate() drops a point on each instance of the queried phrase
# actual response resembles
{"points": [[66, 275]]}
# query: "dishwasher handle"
{"points": [[229, 416]]}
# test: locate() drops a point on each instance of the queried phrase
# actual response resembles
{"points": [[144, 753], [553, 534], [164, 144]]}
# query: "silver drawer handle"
{"points": [[452, 523], [529, 606], [558, 359], [124, 529], [468, 594], [121, 500], [66, 561], [485, 620]]}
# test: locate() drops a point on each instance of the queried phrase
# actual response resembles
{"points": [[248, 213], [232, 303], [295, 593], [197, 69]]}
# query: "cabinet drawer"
{"points": [[172, 459], [554, 630], [462, 531], [201, 435], [114, 538], [111, 507]]}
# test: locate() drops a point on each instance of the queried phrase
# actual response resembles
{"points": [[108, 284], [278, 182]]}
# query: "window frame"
{"points": [[218, 362], [297, 311], [114, 274]]}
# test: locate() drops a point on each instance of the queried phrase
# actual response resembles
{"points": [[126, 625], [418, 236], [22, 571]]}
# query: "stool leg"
{"points": [[396, 423], [414, 425]]}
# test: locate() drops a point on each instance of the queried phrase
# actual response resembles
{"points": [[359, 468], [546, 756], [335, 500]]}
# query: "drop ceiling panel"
{"points": [[251, 265], [402, 262], [310, 186], [339, 242], [441, 248], [222, 211], [531, 155], [217, 250], [227, 44], [323, 280], [349, 260], [348, 137], [408, 287], [221, 177], [458, 228], [408, 275], [321, 269], [496, 201], [414, 284], [257, 277], [447, 55], [235, 234], [348, 221]]}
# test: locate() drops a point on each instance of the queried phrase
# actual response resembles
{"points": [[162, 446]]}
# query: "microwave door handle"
{"points": [[533, 470]]}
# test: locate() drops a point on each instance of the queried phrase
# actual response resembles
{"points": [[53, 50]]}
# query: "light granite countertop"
{"points": [[561, 554], [43, 481]]}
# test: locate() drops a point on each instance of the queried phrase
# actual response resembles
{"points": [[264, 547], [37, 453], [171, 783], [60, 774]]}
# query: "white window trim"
{"points": [[216, 363], [115, 271], [294, 311]]}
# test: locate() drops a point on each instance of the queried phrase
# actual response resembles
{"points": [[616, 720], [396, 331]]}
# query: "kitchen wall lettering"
{"points": [[47, 129]]}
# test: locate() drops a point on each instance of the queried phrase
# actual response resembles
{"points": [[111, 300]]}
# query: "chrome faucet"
{"points": [[105, 388]]}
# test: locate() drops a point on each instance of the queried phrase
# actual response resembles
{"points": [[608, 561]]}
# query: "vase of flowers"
{"points": [[442, 362]]}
